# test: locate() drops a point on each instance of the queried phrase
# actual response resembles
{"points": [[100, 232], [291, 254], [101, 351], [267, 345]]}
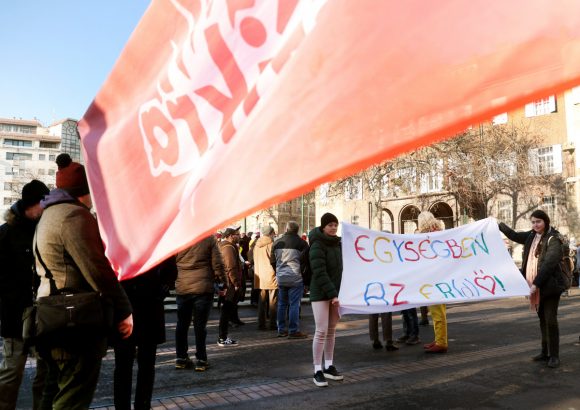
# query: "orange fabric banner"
{"points": [[219, 108]]}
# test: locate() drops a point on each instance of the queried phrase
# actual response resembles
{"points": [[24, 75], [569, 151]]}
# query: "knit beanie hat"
{"points": [[33, 193], [326, 219], [71, 176]]}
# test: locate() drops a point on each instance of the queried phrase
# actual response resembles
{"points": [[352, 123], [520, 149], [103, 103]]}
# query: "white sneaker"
{"points": [[227, 342]]}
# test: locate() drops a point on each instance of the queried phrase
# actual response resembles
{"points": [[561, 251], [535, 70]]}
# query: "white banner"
{"points": [[384, 272]]}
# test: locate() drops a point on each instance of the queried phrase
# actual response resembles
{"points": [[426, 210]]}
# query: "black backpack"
{"points": [[566, 263]]}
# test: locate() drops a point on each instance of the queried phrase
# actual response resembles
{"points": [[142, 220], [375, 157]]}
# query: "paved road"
{"points": [[487, 367]]}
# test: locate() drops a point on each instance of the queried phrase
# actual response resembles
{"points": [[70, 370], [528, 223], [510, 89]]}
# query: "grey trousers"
{"points": [[15, 355]]}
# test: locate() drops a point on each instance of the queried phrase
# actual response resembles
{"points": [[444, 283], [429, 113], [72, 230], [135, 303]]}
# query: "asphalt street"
{"points": [[488, 366]]}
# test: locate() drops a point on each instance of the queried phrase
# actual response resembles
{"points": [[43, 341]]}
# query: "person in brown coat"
{"points": [[233, 270], [198, 268], [265, 280]]}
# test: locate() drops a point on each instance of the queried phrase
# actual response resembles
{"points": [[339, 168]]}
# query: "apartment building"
{"points": [[28, 151], [404, 193]]}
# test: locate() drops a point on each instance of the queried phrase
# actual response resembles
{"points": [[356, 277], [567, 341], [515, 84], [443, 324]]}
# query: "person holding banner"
{"points": [[541, 268], [326, 265], [428, 223]]}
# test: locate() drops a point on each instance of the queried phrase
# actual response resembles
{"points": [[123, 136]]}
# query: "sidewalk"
{"points": [[487, 366]]}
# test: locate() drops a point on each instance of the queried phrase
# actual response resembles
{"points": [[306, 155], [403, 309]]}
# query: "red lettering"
{"points": [[395, 299], [285, 11], [153, 123], [233, 77], [236, 5], [358, 248], [183, 108], [421, 250], [453, 245], [408, 245]]}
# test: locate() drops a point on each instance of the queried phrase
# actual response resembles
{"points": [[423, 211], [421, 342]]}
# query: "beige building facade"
{"points": [[28, 151], [556, 120]]}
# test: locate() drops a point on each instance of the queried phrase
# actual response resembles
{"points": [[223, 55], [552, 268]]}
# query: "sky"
{"points": [[56, 54]]}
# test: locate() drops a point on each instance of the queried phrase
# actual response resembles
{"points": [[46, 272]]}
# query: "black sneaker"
{"points": [[319, 379], [332, 373], [227, 342], [201, 365], [182, 364]]}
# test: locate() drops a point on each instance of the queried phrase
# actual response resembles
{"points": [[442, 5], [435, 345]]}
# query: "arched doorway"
{"points": [[442, 211], [409, 219], [387, 221]]}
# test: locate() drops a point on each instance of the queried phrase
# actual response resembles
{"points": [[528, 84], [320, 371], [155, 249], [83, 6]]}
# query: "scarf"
{"points": [[532, 272]]}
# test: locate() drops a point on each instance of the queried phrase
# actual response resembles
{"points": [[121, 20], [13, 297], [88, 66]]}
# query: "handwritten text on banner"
{"points": [[385, 272]]}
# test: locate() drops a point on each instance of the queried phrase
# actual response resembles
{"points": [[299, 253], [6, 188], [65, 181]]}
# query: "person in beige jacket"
{"points": [[265, 280]]}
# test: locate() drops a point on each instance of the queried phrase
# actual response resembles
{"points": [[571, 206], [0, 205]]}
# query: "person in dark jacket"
{"points": [[233, 271], [146, 293], [541, 268], [288, 260], [198, 268], [16, 293], [326, 265], [70, 254]]}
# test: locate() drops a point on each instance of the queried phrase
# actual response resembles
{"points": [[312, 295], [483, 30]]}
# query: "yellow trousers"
{"points": [[439, 324]]}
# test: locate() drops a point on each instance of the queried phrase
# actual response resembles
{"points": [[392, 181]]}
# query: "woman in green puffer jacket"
{"points": [[326, 264]]}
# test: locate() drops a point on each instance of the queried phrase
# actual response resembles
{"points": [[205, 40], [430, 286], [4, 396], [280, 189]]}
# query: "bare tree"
{"points": [[475, 168]]}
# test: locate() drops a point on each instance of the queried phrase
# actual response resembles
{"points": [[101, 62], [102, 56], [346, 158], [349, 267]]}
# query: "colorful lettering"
{"points": [[358, 248], [370, 293]]}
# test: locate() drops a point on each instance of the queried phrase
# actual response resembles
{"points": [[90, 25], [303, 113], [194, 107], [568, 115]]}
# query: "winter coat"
{"points": [[264, 274], [146, 293], [199, 267], [549, 278], [16, 270], [288, 253], [70, 246], [326, 264], [233, 269]]}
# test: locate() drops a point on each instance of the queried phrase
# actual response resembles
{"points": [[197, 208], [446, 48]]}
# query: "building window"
{"points": [[500, 119], [541, 107], [9, 201], [45, 144], [323, 193], [432, 180], [504, 211], [52, 157], [21, 129], [549, 206], [14, 156], [41, 172], [42, 157], [546, 160], [354, 219], [353, 189], [51, 172], [17, 143]]}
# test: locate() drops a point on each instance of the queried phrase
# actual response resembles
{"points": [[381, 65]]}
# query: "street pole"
{"points": [[302, 213]]}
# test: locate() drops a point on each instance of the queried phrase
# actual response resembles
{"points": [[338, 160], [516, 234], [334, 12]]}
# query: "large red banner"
{"points": [[219, 108]]}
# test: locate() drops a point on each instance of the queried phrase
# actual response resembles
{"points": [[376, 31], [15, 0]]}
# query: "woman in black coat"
{"points": [[146, 293], [541, 268]]}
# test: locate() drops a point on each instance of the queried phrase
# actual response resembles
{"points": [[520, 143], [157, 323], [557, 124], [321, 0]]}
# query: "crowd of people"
{"points": [[51, 241]]}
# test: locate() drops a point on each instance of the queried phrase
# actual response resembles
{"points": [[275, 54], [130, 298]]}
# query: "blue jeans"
{"points": [[289, 297], [199, 306]]}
